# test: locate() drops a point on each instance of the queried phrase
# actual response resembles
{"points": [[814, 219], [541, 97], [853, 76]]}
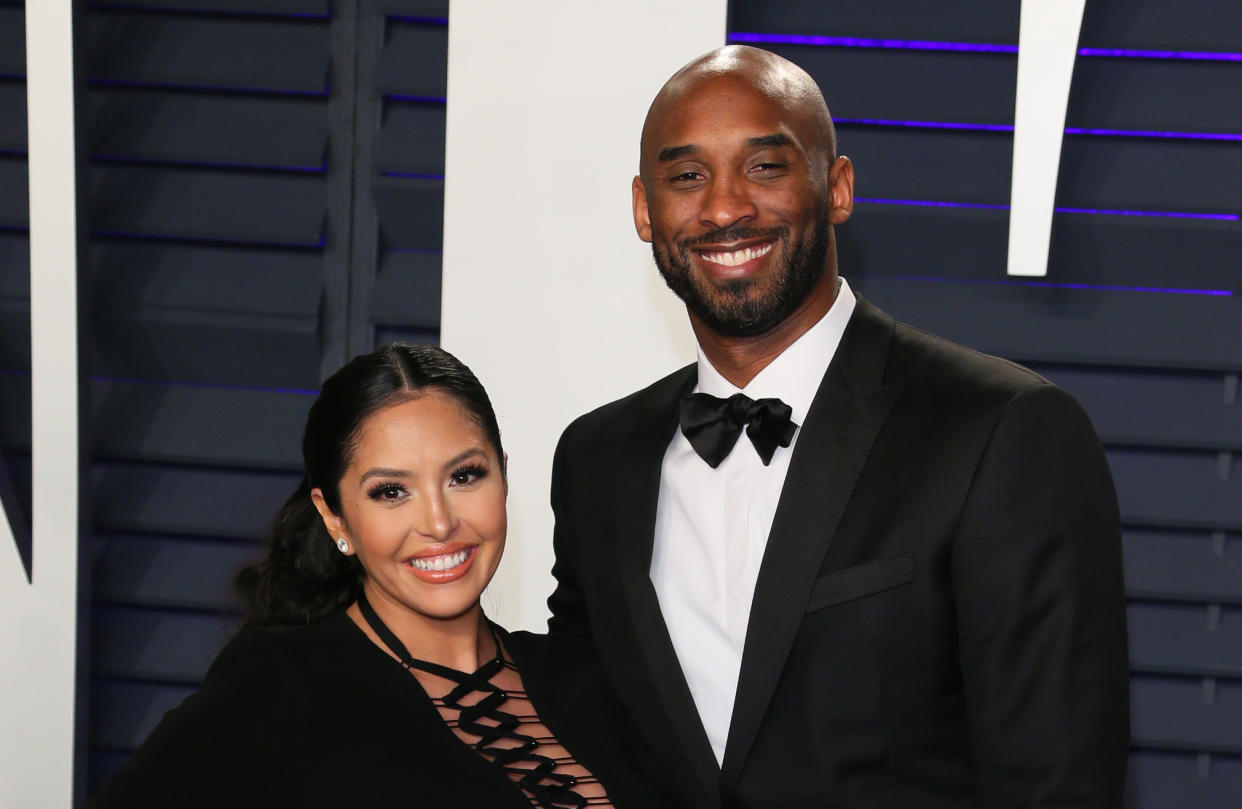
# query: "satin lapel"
{"points": [[638, 490], [847, 414]]}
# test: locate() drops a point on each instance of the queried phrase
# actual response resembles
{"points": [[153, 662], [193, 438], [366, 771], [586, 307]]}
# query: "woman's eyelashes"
{"points": [[386, 492], [465, 475], [392, 491]]}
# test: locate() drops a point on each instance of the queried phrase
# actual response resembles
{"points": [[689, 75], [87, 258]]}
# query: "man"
{"points": [[902, 586]]}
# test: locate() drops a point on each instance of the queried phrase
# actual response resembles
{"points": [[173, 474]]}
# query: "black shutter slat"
{"points": [[415, 8], [1178, 639], [264, 55], [1178, 489], [1038, 325], [970, 20], [414, 61], [15, 409], [12, 41], [274, 7], [14, 193], [407, 290], [1182, 567], [204, 425], [411, 212], [12, 117], [210, 205], [1151, 95], [147, 644], [125, 713], [170, 572], [970, 244], [1194, 25], [1206, 420], [195, 128], [1170, 712], [1161, 779], [412, 139], [180, 500]]}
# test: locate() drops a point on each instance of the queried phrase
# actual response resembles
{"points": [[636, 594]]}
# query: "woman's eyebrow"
{"points": [[383, 472]]}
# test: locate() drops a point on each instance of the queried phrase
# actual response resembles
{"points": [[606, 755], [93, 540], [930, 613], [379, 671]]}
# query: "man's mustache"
{"points": [[733, 234]]}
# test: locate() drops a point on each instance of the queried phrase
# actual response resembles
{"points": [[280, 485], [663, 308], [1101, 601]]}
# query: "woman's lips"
{"points": [[443, 567]]}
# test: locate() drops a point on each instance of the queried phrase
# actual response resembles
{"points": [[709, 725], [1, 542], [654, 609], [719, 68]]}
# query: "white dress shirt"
{"points": [[712, 525]]}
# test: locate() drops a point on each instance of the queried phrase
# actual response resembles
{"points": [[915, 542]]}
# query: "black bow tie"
{"points": [[712, 425]]}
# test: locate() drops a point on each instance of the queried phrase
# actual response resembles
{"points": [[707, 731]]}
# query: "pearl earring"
{"points": [[342, 545]]}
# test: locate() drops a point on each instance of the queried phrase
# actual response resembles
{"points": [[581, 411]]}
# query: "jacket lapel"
{"points": [[848, 411], [641, 452]]}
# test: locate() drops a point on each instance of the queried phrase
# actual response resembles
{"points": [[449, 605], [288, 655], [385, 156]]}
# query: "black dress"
{"points": [[319, 716]]}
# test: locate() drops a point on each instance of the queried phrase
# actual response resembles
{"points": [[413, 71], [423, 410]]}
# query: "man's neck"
{"points": [[740, 359]]}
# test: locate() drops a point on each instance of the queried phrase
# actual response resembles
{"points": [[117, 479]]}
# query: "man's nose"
{"points": [[436, 522], [727, 203]]}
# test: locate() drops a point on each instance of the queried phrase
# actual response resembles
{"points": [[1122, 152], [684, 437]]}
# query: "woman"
{"points": [[366, 673]]}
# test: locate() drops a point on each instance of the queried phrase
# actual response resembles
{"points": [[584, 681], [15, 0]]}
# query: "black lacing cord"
{"points": [[547, 787]]}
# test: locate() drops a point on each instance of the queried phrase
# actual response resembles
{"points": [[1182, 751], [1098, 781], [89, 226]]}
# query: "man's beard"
{"points": [[747, 307]]}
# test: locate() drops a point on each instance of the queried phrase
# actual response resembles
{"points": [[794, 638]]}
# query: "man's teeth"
{"points": [[445, 562], [733, 258]]}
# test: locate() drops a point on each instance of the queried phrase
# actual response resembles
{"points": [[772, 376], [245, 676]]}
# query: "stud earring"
{"points": [[342, 545]]}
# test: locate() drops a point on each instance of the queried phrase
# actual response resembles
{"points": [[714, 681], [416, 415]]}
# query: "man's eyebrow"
{"points": [[775, 140], [676, 152]]}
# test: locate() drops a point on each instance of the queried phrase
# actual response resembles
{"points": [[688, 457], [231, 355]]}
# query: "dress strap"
{"points": [[409, 661]]}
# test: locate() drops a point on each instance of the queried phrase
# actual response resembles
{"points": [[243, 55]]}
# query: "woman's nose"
{"points": [[436, 522]]}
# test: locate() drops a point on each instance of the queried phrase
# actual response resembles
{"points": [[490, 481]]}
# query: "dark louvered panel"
{"points": [[1206, 404], [185, 573], [168, 646], [226, 503], [165, 127], [1139, 316], [1186, 639], [1186, 713], [14, 301], [14, 191], [1037, 323], [1184, 566], [12, 116], [971, 20], [406, 182], [123, 713], [281, 55], [1160, 779], [290, 8], [12, 40]]}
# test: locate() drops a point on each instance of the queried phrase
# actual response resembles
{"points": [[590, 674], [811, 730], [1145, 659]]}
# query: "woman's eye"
{"points": [[467, 475], [387, 491]]}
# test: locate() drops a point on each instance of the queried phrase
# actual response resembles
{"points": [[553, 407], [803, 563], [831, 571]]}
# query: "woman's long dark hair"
{"points": [[304, 578]]}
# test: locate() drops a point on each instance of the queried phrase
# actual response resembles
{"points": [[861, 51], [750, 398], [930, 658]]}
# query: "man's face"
{"points": [[736, 205]]}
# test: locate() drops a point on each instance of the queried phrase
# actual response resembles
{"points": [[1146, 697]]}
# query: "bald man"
{"points": [[837, 561]]}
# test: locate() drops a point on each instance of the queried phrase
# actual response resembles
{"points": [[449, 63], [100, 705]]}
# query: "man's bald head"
{"points": [[780, 80]]}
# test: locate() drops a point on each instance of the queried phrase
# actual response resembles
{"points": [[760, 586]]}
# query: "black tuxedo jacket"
{"points": [[939, 616]]}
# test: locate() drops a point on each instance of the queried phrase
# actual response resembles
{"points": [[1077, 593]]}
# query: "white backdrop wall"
{"points": [[548, 293]]}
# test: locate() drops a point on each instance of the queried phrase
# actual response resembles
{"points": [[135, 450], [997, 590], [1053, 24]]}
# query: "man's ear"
{"points": [[840, 190], [330, 521], [642, 217]]}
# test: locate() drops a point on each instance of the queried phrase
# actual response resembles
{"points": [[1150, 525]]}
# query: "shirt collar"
{"points": [[794, 376]]}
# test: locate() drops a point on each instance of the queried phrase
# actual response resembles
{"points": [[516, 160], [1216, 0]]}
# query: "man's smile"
{"points": [[737, 256]]}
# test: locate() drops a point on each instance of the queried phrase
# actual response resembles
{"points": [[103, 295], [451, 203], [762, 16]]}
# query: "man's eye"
{"points": [[686, 177], [769, 167]]}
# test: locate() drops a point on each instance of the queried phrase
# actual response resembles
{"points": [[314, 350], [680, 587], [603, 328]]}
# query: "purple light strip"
{"points": [[418, 99], [415, 20], [969, 47], [1092, 131], [870, 42], [930, 203], [1219, 293]]}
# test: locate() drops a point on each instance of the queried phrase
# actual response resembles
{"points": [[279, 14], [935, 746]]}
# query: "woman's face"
{"points": [[423, 507]]}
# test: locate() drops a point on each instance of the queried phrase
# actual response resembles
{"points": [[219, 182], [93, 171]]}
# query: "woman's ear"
{"points": [[330, 520]]}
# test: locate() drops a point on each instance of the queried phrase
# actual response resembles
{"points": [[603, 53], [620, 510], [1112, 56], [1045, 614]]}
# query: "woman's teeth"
{"points": [[445, 562]]}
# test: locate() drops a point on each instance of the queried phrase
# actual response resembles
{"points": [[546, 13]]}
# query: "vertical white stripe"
{"points": [[1047, 45], [548, 294], [37, 684]]}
